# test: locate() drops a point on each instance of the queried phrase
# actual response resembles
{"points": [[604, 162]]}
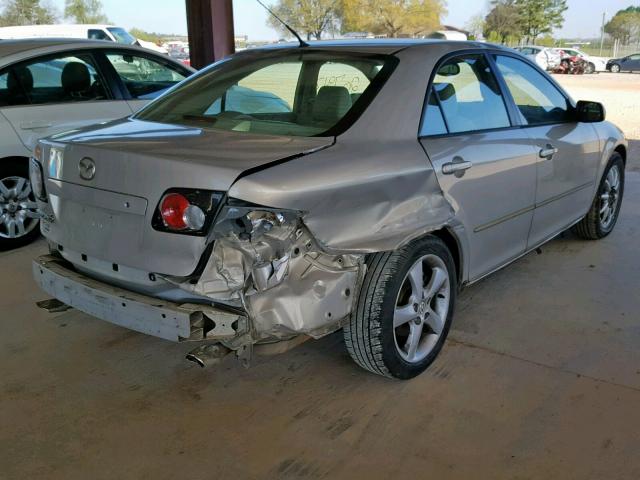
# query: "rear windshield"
{"points": [[300, 94]]}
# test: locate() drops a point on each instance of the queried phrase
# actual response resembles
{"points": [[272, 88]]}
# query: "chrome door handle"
{"points": [[457, 168], [548, 152]]}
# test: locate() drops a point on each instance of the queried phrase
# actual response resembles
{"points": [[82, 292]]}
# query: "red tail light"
{"points": [[173, 208], [178, 214], [186, 211]]}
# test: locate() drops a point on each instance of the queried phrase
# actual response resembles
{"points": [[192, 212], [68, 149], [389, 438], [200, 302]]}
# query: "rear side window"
{"points": [[302, 94], [67, 78], [144, 78], [468, 97], [433, 121], [538, 100]]}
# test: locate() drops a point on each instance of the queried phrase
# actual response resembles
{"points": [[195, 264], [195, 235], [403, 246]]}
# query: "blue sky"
{"points": [[583, 18]]}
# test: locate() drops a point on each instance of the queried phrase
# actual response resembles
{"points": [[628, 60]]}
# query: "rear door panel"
{"points": [[494, 199]]}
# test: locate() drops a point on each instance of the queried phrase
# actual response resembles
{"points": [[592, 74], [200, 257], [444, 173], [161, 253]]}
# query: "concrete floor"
{"points": [[540, 379]]}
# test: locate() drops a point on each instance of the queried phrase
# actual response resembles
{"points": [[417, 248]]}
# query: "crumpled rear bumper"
{"points": [[149, 315]]}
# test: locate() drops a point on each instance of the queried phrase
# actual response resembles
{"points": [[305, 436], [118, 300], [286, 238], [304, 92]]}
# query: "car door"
{"points": [[568, 152], [56, 93], [486, 166], [632, 63], [144, 77]]}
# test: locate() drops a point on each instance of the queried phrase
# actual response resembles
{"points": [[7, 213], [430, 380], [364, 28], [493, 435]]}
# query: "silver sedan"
{"points": [[289, 192]]}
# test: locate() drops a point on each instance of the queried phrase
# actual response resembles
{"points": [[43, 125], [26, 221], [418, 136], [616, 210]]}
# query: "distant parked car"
{"points": [[594, 64], [545, 58], [181, 55], [53, 85], [624, 64]]}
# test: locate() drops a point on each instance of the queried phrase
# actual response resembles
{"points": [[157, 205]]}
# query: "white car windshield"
{"points": [[121, 35]]}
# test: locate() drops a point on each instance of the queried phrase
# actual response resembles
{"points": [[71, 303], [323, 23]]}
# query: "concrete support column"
{"points": [[210, 25]]}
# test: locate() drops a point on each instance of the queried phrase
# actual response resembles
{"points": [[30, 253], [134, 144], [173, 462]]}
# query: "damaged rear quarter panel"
{"points": [[362, 197], [375, 189]]}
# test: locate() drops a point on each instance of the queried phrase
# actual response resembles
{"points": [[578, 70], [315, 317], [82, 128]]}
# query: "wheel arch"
{"points": [[622, 150], [451, 240], [16, 159]]}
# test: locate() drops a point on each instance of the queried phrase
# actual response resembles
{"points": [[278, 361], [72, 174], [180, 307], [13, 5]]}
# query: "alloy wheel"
{"points": [[609, 197], [18, 208], [421, 308]]}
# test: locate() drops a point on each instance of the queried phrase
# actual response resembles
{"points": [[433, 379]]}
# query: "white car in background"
{"points": [[545, 58], [48, 86], [594, 64], [109, 33], [89, 32]]}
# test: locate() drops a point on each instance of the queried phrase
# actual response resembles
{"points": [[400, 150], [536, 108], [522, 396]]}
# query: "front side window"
{"points": [[468, 95], [53, 80], [303, 94], [538, 100], [144, 78]]}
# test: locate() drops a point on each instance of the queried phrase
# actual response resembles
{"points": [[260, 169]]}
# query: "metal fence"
{"points": [[611, 50]]}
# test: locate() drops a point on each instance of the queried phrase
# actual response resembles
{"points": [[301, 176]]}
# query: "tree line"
{"points": [[392, 18], [41, 12], [625, 26], [510, 21]]}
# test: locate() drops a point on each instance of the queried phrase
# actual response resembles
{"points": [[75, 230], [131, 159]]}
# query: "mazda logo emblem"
{"points": [[87, 168]]}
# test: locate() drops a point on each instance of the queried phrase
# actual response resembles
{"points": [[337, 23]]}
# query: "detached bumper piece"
{"points": [[149, 315]]}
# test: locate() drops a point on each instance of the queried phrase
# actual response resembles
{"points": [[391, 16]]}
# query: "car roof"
{"points": [[375, 45], [22, 49]]}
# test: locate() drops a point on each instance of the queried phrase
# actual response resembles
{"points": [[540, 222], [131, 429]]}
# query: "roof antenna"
{"points": [[295, 34]]}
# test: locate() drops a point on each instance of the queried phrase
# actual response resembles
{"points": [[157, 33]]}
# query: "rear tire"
{"points": [[18, 227], [404, 309], [603, 214], [590, 68]]}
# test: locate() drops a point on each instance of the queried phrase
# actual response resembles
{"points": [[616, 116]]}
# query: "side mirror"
{"points": [[590, 112]]}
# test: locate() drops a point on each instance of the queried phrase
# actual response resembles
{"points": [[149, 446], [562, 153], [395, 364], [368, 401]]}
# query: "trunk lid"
{"points": [[107, 218], [140, 158]]}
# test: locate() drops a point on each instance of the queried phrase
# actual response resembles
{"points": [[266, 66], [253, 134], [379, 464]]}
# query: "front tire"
{"points": [[604, 211], [590, 68], [404, 310], [19, 220], [615, 68]]}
